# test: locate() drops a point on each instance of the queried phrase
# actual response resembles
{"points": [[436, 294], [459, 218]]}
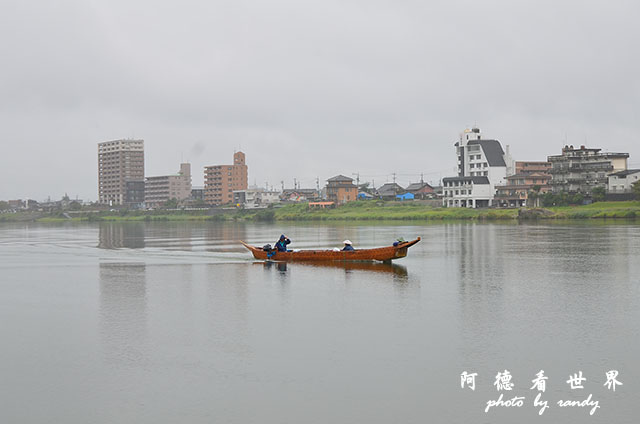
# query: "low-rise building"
{"points": [[515, 193], [341, 189], [421, 190], [255, 198], [389, 191], [581, 170], [300, 195], [467, 192], [197, 193], [622, 182], [157, 190]]}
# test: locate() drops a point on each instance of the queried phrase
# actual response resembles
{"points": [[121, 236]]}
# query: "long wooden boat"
{"points": [[383, 254]]}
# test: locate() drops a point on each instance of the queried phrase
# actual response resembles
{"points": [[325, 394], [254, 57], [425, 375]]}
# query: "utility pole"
{"points": [[282, 184], [295, 184], [395, 191]]}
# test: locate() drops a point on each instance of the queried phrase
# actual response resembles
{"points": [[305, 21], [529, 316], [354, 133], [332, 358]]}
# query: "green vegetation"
{"points": [[372, 210], [636, 189]]}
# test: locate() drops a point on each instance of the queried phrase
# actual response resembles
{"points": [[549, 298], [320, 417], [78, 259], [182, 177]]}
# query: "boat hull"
{"points": [[382, 254]]}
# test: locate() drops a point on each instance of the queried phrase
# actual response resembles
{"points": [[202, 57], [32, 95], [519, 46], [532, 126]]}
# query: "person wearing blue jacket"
{"points": [[281, 244], [348, 246]]}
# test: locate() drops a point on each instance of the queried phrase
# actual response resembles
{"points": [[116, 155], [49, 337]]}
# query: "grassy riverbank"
{"points": [[360, 211]]}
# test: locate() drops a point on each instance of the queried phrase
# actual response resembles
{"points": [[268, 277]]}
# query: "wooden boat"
{"points": [[383, 254]]}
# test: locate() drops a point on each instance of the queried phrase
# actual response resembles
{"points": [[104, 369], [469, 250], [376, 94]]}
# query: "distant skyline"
{"points": [[308, 89]]}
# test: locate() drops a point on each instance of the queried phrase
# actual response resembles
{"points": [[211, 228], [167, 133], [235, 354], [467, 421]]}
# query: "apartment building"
{"points": [[581, 170], [165, 187], [120, 167], [220, 181]]}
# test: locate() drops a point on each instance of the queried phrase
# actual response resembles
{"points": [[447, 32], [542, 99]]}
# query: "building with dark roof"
{"points": [[467, 192], [623, 181], [478, 157], [421, 190], [389, 191]]}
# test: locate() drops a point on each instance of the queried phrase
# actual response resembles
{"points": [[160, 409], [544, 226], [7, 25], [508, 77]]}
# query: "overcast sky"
{"points": [[308, 88]]}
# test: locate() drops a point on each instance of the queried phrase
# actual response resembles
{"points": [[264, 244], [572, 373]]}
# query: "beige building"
{"points": [[220, 181], [582, 169], [158, 190], [120, 165]]}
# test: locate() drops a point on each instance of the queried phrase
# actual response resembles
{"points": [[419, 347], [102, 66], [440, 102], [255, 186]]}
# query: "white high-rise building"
{"points": [[482, 164]]}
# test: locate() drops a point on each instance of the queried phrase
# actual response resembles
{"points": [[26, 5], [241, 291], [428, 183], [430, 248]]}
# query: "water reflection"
{"points": [[118, 235], [348, 267], [280, 266], [123, 312]]}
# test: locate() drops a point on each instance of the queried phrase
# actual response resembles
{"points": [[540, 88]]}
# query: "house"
{"points": [[299, 195], [255, 198], [421, 190], [467, 192], [581, 170], [341, 189], [477, 157], [622, 181], [389, 191]]}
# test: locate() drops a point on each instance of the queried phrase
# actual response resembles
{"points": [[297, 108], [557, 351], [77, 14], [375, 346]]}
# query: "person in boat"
{"points": [[281, 244], [348, 247]]}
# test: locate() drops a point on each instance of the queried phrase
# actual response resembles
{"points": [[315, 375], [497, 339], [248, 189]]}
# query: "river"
{"points": [[175, 322]]}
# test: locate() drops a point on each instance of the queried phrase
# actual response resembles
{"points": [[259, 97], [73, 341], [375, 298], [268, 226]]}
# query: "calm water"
{"points": [[166, 323]]}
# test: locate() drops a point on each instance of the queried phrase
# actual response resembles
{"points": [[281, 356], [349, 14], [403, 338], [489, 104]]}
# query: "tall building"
{"points": [[581, 170], [482, 165], [158, 190], [120, 172], [221, 180]]}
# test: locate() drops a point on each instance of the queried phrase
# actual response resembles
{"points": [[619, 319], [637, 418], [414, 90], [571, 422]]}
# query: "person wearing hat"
{"points": [[281, 244], [347, 246]]}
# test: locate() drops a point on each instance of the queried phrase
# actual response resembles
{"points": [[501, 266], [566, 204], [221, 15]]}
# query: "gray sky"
{"points": [[308, 88]]}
